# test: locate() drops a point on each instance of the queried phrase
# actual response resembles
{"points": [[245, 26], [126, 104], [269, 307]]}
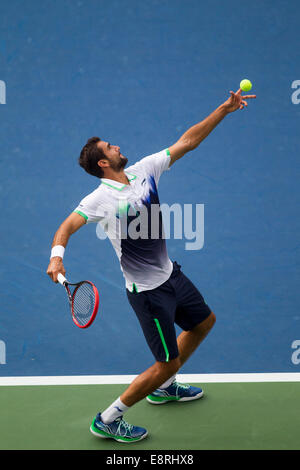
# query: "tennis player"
{"points": [[158, 291]]}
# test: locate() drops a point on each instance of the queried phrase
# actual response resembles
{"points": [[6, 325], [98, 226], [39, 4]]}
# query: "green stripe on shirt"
{"points": [[82, 214]]}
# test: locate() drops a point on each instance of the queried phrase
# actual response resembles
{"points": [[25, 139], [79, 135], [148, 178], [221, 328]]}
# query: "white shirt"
{"points": [[118, 207]]}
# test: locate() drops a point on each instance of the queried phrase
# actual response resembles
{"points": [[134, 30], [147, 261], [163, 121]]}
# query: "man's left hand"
{"points": [[237, 101]]}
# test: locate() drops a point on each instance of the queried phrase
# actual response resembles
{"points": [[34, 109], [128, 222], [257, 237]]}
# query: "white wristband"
{"points": [[57, 250]]}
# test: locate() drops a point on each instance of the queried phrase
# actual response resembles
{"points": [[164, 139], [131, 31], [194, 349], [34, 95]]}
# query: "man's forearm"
{"points": [[67, 228], [61, 237], [195, 134]]}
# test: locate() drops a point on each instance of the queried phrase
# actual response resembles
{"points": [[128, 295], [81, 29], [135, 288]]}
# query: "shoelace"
{"points": [[179, 386], [128, 427]]}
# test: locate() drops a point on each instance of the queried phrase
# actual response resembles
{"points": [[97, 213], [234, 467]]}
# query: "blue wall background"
{"points": [[139, 74]]}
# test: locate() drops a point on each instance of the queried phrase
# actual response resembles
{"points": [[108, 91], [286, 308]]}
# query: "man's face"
{"points": [[117, 161]]}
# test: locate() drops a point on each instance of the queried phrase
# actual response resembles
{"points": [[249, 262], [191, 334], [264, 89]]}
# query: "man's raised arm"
{"points": [[60, 240], [194, 136]]}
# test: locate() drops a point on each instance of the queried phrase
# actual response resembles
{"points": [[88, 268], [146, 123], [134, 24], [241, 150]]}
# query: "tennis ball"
{"points": [[245, 85]]}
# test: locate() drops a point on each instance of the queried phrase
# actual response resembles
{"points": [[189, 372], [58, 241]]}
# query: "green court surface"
{"points": [[260, 416]]}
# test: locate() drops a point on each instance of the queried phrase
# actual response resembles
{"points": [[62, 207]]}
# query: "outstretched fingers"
{"points": [[235, 97], [238, 101]]}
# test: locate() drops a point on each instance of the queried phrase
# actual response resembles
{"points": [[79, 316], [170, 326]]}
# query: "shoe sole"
{"points": [[164, 400], [126, 441]]}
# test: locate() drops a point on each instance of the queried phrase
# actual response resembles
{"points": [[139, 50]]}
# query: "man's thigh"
{"points": [[191, 307], [155, 311]]}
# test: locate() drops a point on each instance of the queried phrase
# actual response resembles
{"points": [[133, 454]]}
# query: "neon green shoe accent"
{"points": [[175, 392], [112, 436], [156, 398]]}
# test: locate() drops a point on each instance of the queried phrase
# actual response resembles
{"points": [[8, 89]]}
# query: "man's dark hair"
{"points": [[89, 157]]}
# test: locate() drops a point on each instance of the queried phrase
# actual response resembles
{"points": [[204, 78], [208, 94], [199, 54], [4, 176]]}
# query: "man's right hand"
{"points": [[55, 267]]}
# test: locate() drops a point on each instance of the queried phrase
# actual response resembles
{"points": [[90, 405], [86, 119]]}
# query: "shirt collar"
{"points": [[115, 184]]}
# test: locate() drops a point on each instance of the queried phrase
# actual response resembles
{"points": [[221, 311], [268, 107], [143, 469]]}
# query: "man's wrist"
{"points": [[57, 251], [224, 109]]}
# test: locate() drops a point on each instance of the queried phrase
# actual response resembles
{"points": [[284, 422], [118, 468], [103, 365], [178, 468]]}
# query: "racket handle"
{"points": [[61, 279]]}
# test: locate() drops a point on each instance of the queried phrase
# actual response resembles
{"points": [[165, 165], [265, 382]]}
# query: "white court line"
{"points": [[127, 379]]}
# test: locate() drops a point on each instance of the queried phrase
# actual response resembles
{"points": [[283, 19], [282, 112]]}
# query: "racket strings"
{"points": [[84, 300]]}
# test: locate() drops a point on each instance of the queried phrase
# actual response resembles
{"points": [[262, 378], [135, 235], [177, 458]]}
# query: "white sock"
{"points": [[168, 382], [114, 411]]}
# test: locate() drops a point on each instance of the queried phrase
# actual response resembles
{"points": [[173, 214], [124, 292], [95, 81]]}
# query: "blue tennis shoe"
{"points": [[119, 430], [175, 392]]}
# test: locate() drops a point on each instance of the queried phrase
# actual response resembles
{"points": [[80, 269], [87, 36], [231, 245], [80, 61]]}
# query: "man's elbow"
{"points": [[179, 149], [189, 144]]}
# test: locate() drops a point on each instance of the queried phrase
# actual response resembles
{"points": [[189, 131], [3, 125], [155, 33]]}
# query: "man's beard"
{"points": [[120, 164]]}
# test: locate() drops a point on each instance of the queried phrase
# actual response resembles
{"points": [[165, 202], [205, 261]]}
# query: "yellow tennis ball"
{"points": [[245, 85]]}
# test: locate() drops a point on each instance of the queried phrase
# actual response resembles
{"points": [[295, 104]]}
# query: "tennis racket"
{"points": [[84, 301]]}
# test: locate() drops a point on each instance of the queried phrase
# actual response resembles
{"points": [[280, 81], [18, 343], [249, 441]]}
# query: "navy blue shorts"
{"points": [[175, 301]]}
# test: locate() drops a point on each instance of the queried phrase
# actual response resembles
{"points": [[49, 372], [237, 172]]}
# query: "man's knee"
{"points": [[206, 325], [168, 368], [212, 319]]}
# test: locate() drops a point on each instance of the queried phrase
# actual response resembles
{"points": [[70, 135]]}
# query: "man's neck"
{"points": [[120, 176]]}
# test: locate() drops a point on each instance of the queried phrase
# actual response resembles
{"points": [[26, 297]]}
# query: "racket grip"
{"points": [[61, 279]]}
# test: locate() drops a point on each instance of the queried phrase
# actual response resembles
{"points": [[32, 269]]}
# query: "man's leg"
{"points": [[110, 422], [155, 311], [149, 380], [152, 378], [157, 374], [188, 341], [161, 371]]}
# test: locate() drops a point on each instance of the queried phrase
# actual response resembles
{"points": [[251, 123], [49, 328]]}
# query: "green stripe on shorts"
{"points": [[162, 338]]}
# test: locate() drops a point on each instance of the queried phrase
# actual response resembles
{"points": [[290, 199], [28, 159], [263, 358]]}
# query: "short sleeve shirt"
{"points": [[130, 216]]}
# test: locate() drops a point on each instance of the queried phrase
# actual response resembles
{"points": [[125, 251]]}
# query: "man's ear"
{"points": [[103, 163]]}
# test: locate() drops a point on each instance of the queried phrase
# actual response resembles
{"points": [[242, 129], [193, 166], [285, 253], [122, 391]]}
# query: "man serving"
{"points": [[158, 291]]}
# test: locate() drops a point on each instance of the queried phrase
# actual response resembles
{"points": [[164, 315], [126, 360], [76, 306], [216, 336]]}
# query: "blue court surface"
{"points": [[139, 74]]}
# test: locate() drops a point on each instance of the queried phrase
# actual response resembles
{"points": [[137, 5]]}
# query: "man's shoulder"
{"points": [[96, 195], [147, 160], [133, 167]]}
